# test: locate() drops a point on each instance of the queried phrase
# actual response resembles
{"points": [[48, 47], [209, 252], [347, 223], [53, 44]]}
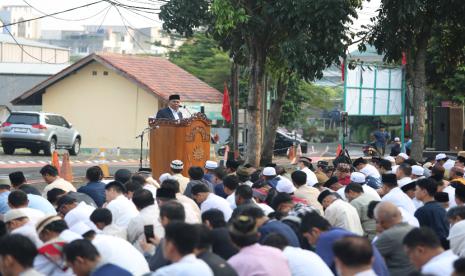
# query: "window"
{"points": [[105, 73], [94, 73], [82, 49], [23, 119]]}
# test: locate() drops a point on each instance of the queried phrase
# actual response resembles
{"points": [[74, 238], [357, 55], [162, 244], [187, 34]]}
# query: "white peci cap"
{"points": [[397, 139], [441, 156], [211, 165], [358, 177], [403, 155], [177, 165], [269, 171], [164, 177], [13, 214], [284, 185], [418, 170]]}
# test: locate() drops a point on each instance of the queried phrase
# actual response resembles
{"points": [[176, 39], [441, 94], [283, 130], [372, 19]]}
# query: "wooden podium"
{"points": [[187, 140]]}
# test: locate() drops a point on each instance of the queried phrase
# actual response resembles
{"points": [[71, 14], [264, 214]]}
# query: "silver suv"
{"points": [[38, 131]]}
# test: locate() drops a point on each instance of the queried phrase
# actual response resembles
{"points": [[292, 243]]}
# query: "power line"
{"points": [[51, 14], [140, 14], [64, 19], [128, 32]]}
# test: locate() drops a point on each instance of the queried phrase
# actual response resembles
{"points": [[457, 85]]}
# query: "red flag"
{"points": [[338, 150], [226, 110], [343, 71], [404, 58]]}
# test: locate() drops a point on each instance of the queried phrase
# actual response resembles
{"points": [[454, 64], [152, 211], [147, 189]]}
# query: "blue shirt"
{"points": [[433, 215], [96, 190], [40, 203], [219, 190], [110, 270], [381, 137], [324, 248], [4, 202], [276, 226]]}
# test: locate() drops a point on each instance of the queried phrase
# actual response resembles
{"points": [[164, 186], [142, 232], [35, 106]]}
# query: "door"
{"points": [[56, 124], [68, 132]]}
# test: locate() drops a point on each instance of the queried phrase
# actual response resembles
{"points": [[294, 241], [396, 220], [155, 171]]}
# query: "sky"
{"points": [[114, 18]]}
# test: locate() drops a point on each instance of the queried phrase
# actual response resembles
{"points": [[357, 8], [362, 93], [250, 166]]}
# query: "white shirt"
{"points": [[116, 231], [404, 181], [34, 215], [191, 209], [82, 212], [342, 214], [370, 170], [151, 188], [417, 203], [122, 210], [59, 183], [451, 191], [29, 230], [300, 260], [397, 197], [366, 189], [449, 164], [175, 113], [216, 202], [408, 218], [232, 200], [440, 265], [265, 208], [369, 272], [189, 265], [120, 252], [150, 215], [311, 177]]}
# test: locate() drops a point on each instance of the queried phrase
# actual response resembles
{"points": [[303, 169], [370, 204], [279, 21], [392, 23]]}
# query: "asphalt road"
{"points": [[30, 164]]}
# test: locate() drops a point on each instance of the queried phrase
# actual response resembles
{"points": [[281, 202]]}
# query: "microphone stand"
{"points": [[187, 109], [141, 136]]}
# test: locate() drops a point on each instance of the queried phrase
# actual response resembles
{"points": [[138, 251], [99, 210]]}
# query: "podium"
{"points": [[187, 140]]}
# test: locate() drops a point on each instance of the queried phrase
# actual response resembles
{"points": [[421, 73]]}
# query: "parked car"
{"points": [[282, 143], [38, 131]]}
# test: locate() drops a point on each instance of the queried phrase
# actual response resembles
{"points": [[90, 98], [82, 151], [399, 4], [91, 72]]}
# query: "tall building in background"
{"points": [[17, 13]]}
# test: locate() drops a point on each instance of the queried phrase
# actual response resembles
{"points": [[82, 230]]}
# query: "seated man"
{"points": [[208, 200], [426, 253], [84, 259], [50, 175], [17, 254], [179, 249], [18, 180], [353, 256]]}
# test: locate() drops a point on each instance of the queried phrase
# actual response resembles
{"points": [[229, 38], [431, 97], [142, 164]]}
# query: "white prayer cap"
{"points": [[269, 171], [211, 165], [418, 170], [390, 159], [13, 214], [397, 139], [358, 177], [403, 155], [164, 177], [441, 156], [285, 186], [177, 165]]}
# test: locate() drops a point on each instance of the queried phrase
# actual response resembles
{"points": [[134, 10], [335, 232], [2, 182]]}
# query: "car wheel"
{"points": [[8, 149], [76, 147], [35, 151], [51, 147]]}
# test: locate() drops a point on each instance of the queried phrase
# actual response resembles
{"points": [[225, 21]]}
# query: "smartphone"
{"points": [[148, 231]]}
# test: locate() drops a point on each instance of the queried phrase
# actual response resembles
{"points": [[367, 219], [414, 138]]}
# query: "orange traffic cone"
{"points": [[56, 161], [291, 153], [66, 170]]}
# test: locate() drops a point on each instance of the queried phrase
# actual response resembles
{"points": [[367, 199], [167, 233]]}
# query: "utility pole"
{"points": [[235, 108]]}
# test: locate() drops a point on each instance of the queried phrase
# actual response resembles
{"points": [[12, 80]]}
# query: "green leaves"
{"points": [[227, 16]]}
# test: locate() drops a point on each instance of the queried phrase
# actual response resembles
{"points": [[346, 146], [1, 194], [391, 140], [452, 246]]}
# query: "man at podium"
{"points": [[172, 111]]}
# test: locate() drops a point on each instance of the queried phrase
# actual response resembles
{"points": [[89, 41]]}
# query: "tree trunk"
{"points": [[254, 104], [273, 122], [419, 108]]}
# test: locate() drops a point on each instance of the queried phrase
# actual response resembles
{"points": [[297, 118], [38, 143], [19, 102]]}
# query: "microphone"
{"points": [[186, 109]]}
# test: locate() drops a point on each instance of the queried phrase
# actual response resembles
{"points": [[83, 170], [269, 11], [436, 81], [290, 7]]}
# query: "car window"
{"points": [[52, 120], [23, 119], [63, 122]]}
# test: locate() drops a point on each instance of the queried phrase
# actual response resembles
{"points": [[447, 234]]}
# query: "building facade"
{"points": [[17, 13]]}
